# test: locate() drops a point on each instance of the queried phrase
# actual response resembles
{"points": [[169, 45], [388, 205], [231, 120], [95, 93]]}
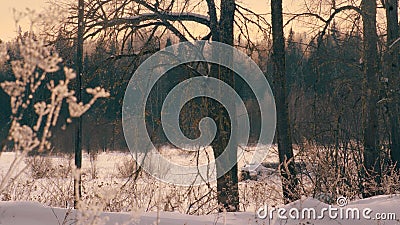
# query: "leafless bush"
{"points": [[330, 171], [254, 194], [391, 180], [93, 164], [126, 168], [38, 60], [40, 167], [19, 190], [63, 167]]}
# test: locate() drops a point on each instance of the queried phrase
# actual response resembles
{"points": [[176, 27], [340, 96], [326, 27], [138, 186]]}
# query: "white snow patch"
{"points": [[19, 213]]}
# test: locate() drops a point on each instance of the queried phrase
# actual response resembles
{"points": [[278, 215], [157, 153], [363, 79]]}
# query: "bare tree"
{"points": [[123, 20], [78, 128], [227, 183], [286, 157], [392, 65], [370, 96]]}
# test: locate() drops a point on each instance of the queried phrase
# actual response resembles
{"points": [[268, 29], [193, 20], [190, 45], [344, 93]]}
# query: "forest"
{"points": [[311, 116]]}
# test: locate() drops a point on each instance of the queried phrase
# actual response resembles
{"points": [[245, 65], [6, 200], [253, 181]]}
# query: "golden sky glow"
{"points": [[7, 22], [9, 29]]}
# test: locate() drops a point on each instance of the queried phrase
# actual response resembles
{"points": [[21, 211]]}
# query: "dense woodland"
{"points": [[323, 82]]}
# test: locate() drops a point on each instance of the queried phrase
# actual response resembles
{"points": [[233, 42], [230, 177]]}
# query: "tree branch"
{"points": [[326, 21]]}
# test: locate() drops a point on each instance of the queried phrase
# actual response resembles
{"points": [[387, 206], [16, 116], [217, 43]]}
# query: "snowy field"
{"points": [[42, 195], [17, 213]]}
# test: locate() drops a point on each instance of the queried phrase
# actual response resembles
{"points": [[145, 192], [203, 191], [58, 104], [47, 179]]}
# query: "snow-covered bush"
{"points": [[126, 168], [40, 167], [32, 72]]}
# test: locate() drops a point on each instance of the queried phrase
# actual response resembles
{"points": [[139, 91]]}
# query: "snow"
{"points": [[33, 213], [19, 213], [384, 204]]}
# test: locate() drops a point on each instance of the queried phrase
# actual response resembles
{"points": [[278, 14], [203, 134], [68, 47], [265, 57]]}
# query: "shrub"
{"points": [[40, 167], [31, 71], [126, 168]]}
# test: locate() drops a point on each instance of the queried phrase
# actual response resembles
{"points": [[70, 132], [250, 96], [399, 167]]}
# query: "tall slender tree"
{"points": [[370, 97], [286, 156], [392, 65], [78, 136], [227, 183]]}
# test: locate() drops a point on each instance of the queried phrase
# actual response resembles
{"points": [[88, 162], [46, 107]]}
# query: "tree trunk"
{"points": [[78, 126], [392, 64], [227, 183], [370, 99], [288, 170]]}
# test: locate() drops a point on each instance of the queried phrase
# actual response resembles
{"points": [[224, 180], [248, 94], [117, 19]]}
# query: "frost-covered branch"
{"points": [[327, 21], [38, 62], [164, 17], [170, 16]]}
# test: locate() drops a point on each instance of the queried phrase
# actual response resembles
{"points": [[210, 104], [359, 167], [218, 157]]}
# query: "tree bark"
{"points": [[288, 170], [78, 126], [392, 64], [227, 183], [370, 98]]}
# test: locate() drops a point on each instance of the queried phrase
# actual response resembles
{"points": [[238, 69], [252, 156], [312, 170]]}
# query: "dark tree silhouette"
{"points": [[227, 184], [286, 157], [78, 129], [392, 65], [370, 96]]}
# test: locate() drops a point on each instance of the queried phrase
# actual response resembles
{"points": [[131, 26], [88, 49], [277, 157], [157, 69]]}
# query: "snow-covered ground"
{"points": [[107, 163], [20, 213], [376, 210], [46, 200]]}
